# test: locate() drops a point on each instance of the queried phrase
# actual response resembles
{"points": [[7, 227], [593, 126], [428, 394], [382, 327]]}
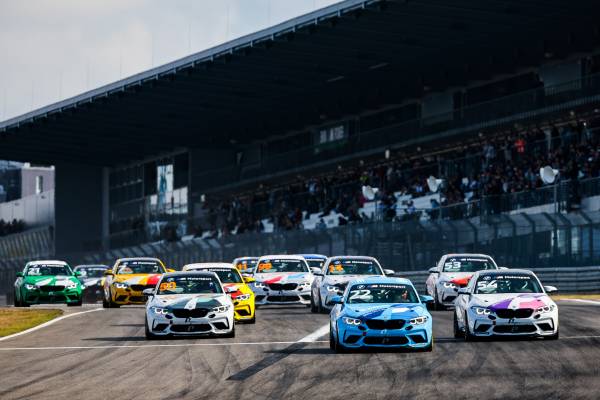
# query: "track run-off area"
{"points": [[103, 355]]}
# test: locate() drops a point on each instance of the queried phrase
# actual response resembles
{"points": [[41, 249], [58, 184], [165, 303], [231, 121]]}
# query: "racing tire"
{"points": [[457, 332], [112, 304], [149, 334], [429, 348], [230, 334], [251, 321], [15, 301], [552, 337], [105, 304], [338, 347], [76, 304], [313, 306], [467, 335], [437, 306], [331, 340]]}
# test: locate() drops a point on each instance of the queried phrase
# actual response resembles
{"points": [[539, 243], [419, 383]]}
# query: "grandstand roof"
{"points": [[349, 57]]}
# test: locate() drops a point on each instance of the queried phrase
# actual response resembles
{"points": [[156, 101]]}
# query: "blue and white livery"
{"points": [[380, 312]]}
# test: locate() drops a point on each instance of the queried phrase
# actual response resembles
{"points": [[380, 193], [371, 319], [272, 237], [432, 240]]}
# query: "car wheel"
{"points": [[436, 303], [76, 304], [149, 334], [320, 308], [16, 302], [429, 348], [553, 337], [313, 306], [457, 332], [331, 339], [105, 304], [251, 321], [111, 303], [467, 333], [339, 348]]}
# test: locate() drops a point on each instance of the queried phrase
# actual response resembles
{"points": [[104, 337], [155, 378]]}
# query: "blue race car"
{"points": [[380, 312]]}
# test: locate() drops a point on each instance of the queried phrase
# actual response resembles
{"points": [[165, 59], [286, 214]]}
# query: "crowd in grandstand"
{"points": [[488, 167], [10, 227]]}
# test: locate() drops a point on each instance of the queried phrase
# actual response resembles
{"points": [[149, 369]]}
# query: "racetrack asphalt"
{"points": [[104, 355]]}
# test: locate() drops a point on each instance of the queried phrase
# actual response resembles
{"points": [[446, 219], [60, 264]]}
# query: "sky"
{"points": [[55, 49]]}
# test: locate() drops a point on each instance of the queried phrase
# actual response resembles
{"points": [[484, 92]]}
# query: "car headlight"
{"points": [[30, 287], [481, 310], [160, 310], [418, 320], [121, 285], [259, 285], [449, 285], [71, 285], [333, 288], [220, 309], [351, 321], [546, 309], [242, 297]]}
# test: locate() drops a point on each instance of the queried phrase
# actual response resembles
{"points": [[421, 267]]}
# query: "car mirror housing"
{"points": [[170, 270], [389, 272], [249, 279], [433, 270], [426, 299], [19, 274], [550, 289], [315, 270], [77, 273], [335, 300], [148, 292], [108, 272], [464, 291]]}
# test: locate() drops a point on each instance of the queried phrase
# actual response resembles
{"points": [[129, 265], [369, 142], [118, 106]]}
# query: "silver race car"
{"points": [[189, 303], [507, 302], [452, 272], [282, 279], [335, 276]]}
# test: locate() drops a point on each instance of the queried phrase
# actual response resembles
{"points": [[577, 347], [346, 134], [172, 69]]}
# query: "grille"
{"points": [[244, 312], [283, 298], [195, 313], [50, 288], [518, 313], [418, 338], [352, 339], [283, 286], [139, 288], [385, 324], [221, 325], [514, 329], [191, 328], [383, 340]]}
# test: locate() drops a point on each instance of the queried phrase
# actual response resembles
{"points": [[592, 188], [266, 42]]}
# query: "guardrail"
{"points": [[567, 279]]}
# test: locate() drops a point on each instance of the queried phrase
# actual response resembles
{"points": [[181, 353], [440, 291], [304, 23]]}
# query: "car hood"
{"points": [[333, 279], [284, 277], [511, 300], [53, 280], [191, 301], [240, 288], [138, 279], [385, 311]]}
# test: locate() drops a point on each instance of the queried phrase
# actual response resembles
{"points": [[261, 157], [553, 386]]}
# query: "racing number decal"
{"points": [[264, 265], [359, 294], [168, 286], [242, 266], [337, 268]]}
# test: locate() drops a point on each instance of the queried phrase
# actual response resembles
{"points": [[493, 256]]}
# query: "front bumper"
{"points": [[92, 292], [296, 296], [543, 325], [163, 325], [447, 296], [410, 336], [66, 296], [243, 310], [129, 295]]}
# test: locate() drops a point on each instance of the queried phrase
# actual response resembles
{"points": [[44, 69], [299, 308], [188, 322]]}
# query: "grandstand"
{"points": [[270, 138]]}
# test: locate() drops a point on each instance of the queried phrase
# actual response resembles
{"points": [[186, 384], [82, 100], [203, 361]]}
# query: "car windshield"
{"points": [[316, 263], [468, 264], [353, 266], [91, 272], [246, 264], [189, 284], [48, 270], [226, 275], [509, 283], [267, 266], [382, 293], [127, 267]]}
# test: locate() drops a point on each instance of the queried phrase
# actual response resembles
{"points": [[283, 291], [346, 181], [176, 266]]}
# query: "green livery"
{"points": [[43, 282]]}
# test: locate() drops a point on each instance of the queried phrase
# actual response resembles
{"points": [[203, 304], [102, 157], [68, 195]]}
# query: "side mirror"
{"points": [[389, 272], [426, 299], [503, 268], [108, 272], [77, 273], [433, 270], [170, 270], [315, 270], [148, 292], [249, 279], [19, 274], [550, 289], [334, 300], [230, 290], [463, 291]]}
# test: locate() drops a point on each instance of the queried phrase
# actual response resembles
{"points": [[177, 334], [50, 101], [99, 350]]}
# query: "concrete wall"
{"points": [[81, 211], [28, 178], [36, 210]]}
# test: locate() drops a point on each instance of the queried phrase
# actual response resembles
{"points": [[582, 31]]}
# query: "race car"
{"points": [[315, 261], [241, 294], [282, 279], [507, 302], [380, 312], [189, 303], [452, 272], [91, 278], [47, 281], [246, 265], [335, 275], [128, 278]]}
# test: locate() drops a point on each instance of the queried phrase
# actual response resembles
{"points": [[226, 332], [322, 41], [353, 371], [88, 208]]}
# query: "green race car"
{"points": [[47, 282]]}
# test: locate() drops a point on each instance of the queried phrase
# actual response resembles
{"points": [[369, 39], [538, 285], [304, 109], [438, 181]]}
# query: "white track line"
{"points": [[594, 302], [45, 324], [322, 331], [135, 346]]}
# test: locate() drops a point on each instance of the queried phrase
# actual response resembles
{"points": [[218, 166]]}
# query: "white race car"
{"points": [[189, 303], [452, 272], [508, 302], [337, 273], [282, 279]]}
